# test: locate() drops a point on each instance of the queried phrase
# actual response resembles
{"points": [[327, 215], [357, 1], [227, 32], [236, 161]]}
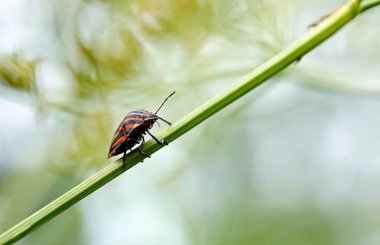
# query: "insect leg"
{"points": [[140, 148], [135, 140], [125, 153], [126, 149], [161, 142]]}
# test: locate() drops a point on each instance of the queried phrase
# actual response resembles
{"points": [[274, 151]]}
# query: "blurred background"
{"points": [[296, 161]]}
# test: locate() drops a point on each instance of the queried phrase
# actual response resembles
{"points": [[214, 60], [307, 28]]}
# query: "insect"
{"points": [[132, 130]]}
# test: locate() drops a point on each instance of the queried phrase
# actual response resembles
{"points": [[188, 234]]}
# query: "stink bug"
{"points": [[132, 130]]}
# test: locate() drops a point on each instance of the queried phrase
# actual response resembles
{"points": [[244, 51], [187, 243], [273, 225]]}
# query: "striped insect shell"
{"points": [[132, 129]]}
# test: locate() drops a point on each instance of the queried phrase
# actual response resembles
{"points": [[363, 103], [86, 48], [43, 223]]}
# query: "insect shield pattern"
{"points": [[132, 129]]}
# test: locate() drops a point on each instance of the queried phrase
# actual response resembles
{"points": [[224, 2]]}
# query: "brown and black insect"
{"points": [[132, 130]]}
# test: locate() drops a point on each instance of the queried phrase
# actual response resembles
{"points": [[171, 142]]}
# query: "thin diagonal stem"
{"points": [[367, 4]]}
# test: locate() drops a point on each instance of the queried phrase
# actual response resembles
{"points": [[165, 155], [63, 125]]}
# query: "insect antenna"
{"points": [[164, 120], [164, 103]]}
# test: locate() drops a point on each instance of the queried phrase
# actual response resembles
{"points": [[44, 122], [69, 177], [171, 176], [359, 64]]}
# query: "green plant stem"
{"points": [[289, 55], [367, 4]]}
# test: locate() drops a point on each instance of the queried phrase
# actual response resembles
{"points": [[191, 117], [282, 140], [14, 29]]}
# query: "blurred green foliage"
{"points": [[18, 73], [115, 56]]}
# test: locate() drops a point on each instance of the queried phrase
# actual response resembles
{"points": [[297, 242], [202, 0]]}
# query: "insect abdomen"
{"points": [[128, 133]]}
